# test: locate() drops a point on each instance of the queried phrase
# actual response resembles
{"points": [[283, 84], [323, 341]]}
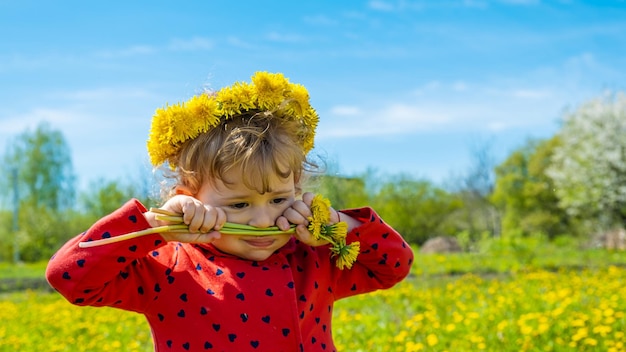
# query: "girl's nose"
{"points": [[262, 217]]}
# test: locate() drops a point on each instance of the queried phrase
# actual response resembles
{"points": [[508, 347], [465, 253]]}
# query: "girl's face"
{"points": [[247, 206]]}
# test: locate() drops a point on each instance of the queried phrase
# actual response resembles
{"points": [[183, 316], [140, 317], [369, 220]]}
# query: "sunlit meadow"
{"points": [[571, 309]]}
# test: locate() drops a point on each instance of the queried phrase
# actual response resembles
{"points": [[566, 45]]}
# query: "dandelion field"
{"points": [[449, 303]]}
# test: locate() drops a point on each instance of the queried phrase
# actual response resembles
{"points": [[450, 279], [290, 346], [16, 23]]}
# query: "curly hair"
{"points": [[256, 142]]}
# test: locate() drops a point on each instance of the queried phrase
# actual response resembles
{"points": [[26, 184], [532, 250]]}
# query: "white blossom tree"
{"points": [[589, 167]]}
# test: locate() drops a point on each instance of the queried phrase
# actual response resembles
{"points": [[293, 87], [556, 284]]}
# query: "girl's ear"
{"points": [[184, 190]]}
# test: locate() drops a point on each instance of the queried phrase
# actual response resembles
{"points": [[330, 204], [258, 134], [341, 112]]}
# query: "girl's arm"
{"points": [[109, 274], [385, 258]]}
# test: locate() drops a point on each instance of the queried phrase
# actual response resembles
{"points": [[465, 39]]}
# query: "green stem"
{"points": [[329, 239], [227, 229], [128, 236]]}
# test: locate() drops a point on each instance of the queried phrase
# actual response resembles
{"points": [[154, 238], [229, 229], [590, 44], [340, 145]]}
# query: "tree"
{"points": [[43, 164], [416, 208], [343, 192], [589, 166], [38, 167], [477, 216], [105, 196], [524, 193]]}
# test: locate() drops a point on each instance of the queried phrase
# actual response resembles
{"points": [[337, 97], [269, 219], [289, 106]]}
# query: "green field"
{"points": [[542, 298]]}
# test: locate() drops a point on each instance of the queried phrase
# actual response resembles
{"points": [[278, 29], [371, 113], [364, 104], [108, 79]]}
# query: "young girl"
{"points": [[239, 156]]}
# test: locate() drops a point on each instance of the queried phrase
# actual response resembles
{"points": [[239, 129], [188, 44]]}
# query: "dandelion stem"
{"points": [[128, 236], [178, 226]]}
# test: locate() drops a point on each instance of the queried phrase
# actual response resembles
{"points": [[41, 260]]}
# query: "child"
{"points": [[239, 155]]}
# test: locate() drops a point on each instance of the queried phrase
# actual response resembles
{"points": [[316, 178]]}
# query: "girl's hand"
{"points": [[298, 214], [204, 221]]}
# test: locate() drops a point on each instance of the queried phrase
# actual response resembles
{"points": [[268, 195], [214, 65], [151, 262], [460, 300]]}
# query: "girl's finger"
{"points": [[302, 208], [283, 223], [209, 220], [221, 218], [296, 217], [307, 198], [196, 219]]}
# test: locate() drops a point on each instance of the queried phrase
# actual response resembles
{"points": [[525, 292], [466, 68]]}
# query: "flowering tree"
{"points": [[589, 167]]}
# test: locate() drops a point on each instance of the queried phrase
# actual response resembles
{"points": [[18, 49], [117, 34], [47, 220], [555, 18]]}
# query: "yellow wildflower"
{"points": [[335, 234], [339, 230], [432, 339], [175, 124], [320, 208], [347, 254]]}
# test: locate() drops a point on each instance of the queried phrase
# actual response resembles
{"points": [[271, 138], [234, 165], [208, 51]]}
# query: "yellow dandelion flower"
{"points": [[432, 340], [602, 330], [338, 230], [590, 341], [320, 208], [175, 124], [414, 346], [299, 102], [271, 89], [580, 334], [315, 227], [347, 254]]}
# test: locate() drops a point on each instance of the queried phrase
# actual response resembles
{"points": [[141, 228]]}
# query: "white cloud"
{"points": [[497, 126], [106, 94], [475, 4], [192, 44], [345, 110], [19, 123], [458, 105], [532, 94], [320, 20], [393, 119], [133, 50], [459, 86], [285, 38], [428, 87], [239, 43], [380, 5], [178, 44], [521, 2]]}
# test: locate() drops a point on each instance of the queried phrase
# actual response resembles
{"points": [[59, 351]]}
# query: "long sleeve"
{"points": [[385, 257], [82, 275]]}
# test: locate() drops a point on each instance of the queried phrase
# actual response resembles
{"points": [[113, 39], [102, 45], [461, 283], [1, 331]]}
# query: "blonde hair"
{"points": [[257, 142]]}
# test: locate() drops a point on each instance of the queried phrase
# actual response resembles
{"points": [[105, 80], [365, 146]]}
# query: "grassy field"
{"points": [[531, 297]]}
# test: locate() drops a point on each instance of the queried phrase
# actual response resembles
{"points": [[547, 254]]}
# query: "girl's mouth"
{"points": [[259, 242]]}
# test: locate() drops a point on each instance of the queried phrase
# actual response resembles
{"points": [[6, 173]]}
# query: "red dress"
{"points": [[197, 298]]}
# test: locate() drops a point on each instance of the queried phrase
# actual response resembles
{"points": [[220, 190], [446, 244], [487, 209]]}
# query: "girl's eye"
{"points": [[239, 205], [278, 200]]}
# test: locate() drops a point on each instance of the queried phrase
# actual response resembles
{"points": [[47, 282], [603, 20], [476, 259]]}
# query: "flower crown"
{"points": [[175, 124]]}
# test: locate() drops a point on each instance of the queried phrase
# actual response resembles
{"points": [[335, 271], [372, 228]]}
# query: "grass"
{"points": [[22, 276], [534, 296], [22, 270]]}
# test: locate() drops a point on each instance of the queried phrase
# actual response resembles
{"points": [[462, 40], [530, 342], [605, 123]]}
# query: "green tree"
{"points": [[343, 192], [38, 171], [43, 164], [524, 194], [105, 196], [589, 165], [7, 237], [416, 208], [477, 217]]}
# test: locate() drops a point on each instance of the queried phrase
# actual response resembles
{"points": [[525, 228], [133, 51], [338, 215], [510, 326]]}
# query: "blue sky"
{"points": [[400, 86]]}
